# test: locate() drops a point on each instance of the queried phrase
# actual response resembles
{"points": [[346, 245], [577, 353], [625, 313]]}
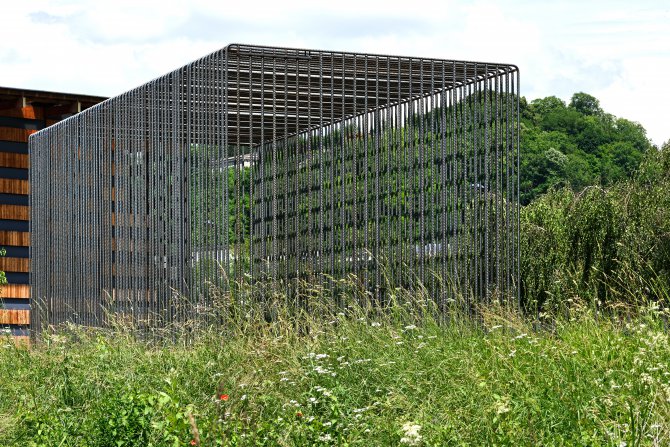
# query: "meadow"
{"points": [[356, 377]]}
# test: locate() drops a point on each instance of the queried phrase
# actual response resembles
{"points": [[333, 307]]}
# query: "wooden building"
{"points": [[23, 112]]}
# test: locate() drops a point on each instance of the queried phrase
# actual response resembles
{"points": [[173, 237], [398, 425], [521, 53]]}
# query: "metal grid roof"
{"points": [[255, 87]]}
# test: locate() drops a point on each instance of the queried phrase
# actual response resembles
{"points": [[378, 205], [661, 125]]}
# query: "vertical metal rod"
{"points": [[321, 253], [366, 189], [333, 153], [376, 255], [421, 147]]}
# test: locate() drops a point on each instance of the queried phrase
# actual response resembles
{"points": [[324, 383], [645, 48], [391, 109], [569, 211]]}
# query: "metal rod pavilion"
{"points": [[278, 164]]}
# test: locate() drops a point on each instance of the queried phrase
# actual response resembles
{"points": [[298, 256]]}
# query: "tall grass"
{"points": [[355, 375], [608, 247]]}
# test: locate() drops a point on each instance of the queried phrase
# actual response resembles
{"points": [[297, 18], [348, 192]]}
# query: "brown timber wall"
{"points": [[22, 113], [17, 123]]}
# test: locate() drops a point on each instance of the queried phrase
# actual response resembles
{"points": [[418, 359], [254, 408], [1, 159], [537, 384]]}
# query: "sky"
{"points": [[617, 51]]}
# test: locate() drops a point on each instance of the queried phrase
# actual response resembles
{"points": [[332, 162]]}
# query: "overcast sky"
{"points": [[618, 51]]}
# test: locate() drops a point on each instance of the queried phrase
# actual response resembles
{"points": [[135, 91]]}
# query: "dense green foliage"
{"points": [[398, 378], [606, 246], [577, 145]]}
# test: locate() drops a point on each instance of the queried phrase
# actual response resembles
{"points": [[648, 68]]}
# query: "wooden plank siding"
{"points": [[15, 212], [15, 291], [17, 135], [10, 160], [29, 112], [16, 317], [15, 238], [21, 112], [15, 264], [22, 341], [14, 186]]}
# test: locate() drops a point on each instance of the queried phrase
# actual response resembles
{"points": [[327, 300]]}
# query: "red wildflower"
{"points": [[223, 397], [193, 442], [298, 414]]}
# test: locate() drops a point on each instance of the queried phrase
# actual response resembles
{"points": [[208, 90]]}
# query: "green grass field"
{"points": [[354, 379]]}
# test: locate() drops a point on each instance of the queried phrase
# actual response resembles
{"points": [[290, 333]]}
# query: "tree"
{"points": [[544, 106], [585, 104], [577, 145]]}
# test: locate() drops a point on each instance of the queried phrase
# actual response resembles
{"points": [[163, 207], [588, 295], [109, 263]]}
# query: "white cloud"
{"points": [[641, 94], [615, 50]]}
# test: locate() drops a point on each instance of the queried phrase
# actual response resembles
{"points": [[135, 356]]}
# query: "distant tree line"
{"points": [[576, 145]]}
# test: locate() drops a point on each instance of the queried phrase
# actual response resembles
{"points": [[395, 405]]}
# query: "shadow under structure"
{"points": [[280, 167]]}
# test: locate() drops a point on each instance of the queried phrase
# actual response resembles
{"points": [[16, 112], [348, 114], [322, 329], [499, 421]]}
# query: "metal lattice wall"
{"points": [[273, 164]]}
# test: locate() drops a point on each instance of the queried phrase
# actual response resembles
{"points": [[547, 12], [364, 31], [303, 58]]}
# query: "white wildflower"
{"points": [[321, 370], [502, 406], [647, 378], [411, 435]]}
